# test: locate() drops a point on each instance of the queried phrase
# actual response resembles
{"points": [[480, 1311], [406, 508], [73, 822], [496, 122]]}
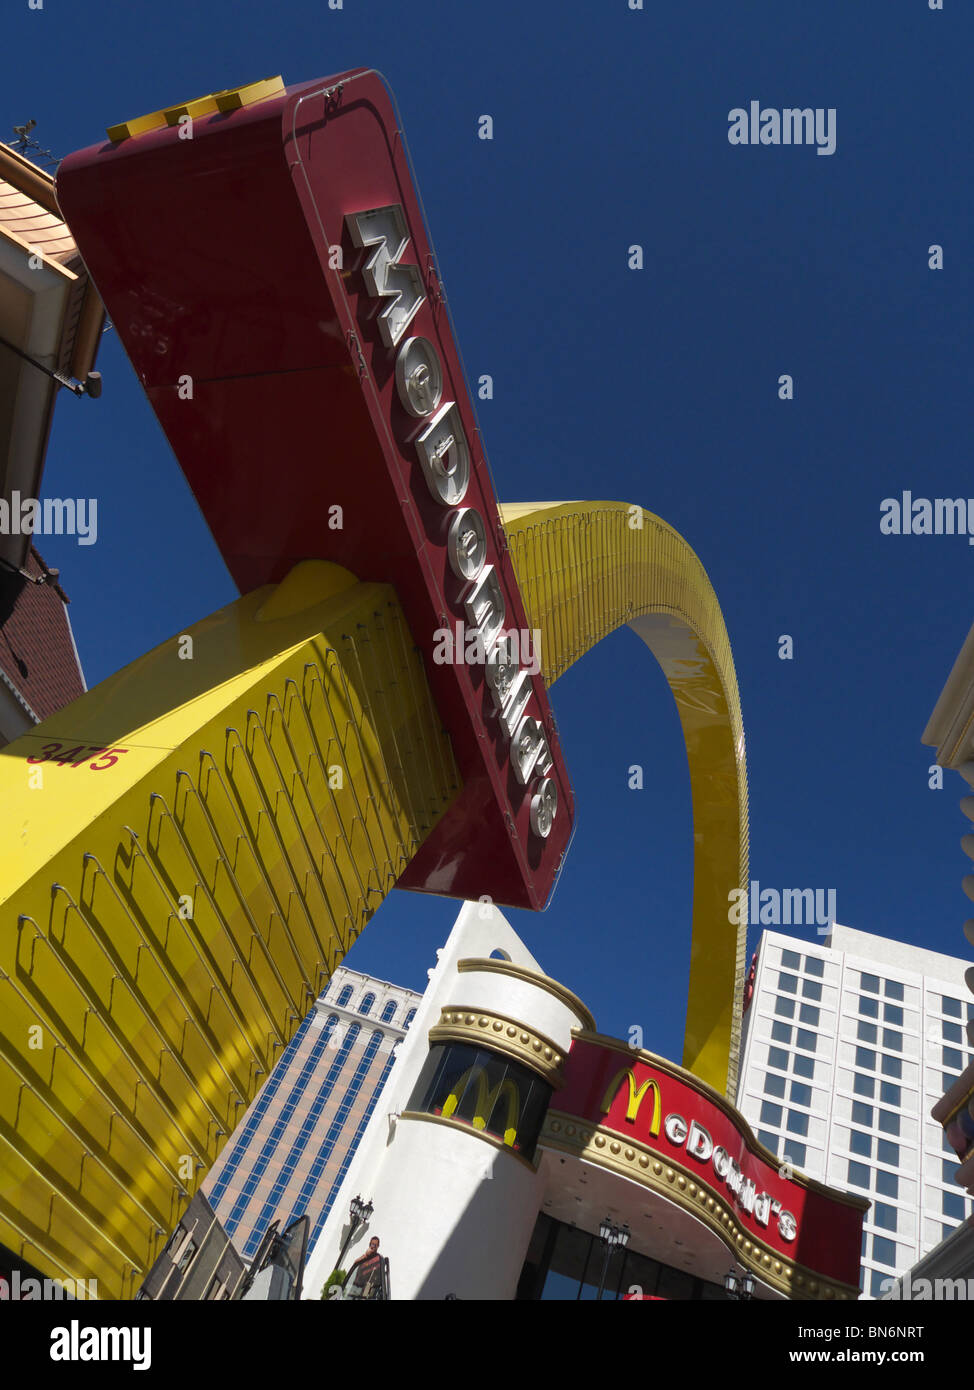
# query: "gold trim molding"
{"points": [[499, 1033], [531, 977], [463, 1128], [631, 1159]]}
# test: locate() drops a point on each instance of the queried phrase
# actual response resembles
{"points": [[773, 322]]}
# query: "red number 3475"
{"points": [[74, 757]]}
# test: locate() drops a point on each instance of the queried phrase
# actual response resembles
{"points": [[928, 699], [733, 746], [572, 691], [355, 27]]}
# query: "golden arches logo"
{"points": [[586, 568], [487, 1098], [636, 1097]]}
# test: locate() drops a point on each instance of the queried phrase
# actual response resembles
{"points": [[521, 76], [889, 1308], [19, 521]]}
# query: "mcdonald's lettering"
{"points": [[636, 1097], [487, 1098], [698, 1143], [444, 453]]}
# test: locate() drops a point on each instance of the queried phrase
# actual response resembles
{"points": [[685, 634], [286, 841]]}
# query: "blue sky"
{"points": [[656, 386]]}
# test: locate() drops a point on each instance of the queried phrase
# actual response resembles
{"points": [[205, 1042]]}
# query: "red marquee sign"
{"points": [[268, 269], [666, 1109]]}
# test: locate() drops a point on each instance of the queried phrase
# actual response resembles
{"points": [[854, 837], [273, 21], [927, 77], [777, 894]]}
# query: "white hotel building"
{"points": [[847, 1047]]}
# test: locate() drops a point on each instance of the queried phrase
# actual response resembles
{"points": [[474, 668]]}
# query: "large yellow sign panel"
{"points": [[190, 850]]}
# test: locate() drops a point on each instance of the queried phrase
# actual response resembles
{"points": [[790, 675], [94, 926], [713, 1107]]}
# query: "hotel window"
{"points": [[884, 1216], [794, 1153], [952, 1007], [950, 1172], [388, 1012], [953, 1058], [778, 1057], [188, 1250], [954, 1205], [788, 983], [801, 1094], [344, 997], [892, 1040], [892, 1013], [879, 1283], [889, 1122], [865, 1058], [884, 1251], [770, 1113], [770, 1141], [870, 982], [791, 960], [784, 1006], [862, 1114], [888, 1152], [860, 1143], [797, 1123], [781, 1032], [952, 1032], [811, 989], [807, 1040], [869, 1007], [890, 1093], [366, 1004], [894, 990], [409, 1018], [774, 1085], [808, 1014], [859, 1174], [893, 1066], [804, 1066], [866, 1032], [814, 965], [864, 1085], [887, 1184]]}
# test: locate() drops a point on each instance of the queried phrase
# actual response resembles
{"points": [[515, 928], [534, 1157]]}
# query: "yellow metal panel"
{"points": [[170, 910], [155, 120], [236, 97], [584, 569], [232, 99]]}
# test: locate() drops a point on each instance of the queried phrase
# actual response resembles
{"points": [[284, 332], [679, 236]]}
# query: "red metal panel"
{"points": [[260, 350]]}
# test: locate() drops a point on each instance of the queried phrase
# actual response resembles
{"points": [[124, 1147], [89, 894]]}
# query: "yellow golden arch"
{"points": [[486, 1099], [585, 569], [636, 1096], [190, 849]]}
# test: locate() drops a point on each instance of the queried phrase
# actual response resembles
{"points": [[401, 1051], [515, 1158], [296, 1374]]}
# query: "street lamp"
{"points": [[739, 1287], [358, 1215], [610, 1235]]}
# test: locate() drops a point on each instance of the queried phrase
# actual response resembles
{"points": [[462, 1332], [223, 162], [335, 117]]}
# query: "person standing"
{"points": [[363, 1277]]}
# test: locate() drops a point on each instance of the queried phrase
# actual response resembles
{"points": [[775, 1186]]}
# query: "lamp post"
{"points": [[739, 1287], [358, 1214], [610, 1235]]}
